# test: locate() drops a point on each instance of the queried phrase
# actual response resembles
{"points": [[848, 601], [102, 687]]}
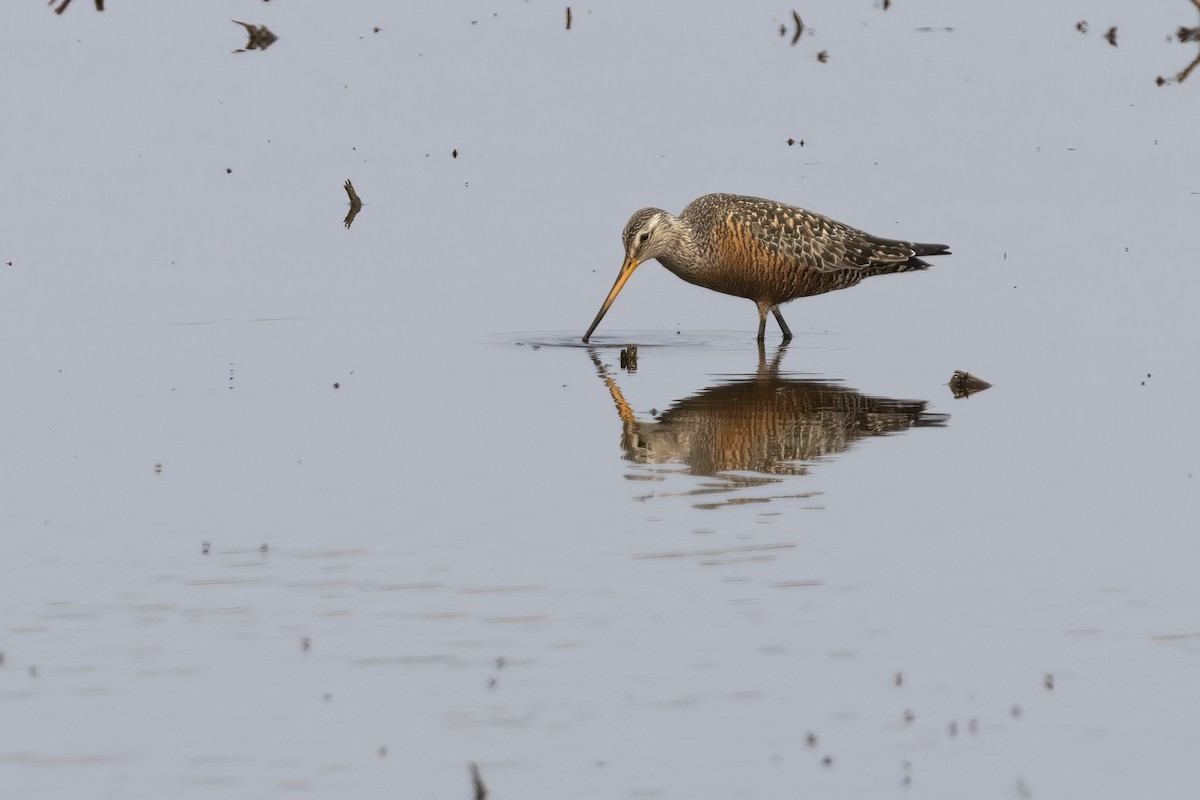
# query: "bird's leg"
{"points": [[763, 308], [787, 332]]}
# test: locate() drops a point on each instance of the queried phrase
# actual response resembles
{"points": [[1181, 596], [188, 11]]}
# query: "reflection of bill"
{"points": [[761, 423]]}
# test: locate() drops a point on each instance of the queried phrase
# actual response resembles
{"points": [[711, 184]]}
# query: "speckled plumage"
{"points": [[762, 250]]}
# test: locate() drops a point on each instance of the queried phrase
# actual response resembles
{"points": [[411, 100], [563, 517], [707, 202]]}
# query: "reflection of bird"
{"points": [[763, 423], [762, 250]]}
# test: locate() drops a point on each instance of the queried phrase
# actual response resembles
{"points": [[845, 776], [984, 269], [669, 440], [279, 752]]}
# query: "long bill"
{"points": [[626, 270]]}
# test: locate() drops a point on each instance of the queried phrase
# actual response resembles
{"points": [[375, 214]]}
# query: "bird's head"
{"points": [[649, 233]]}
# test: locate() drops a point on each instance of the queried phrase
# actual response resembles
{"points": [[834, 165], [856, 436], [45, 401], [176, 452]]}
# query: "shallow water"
{"points": [[291, 509]]}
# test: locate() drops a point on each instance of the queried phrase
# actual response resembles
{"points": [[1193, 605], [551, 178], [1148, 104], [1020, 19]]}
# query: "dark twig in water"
{"points": [[629, 358], [355, 204], [1184, 35], [568, 18], [799, 26], [65, 3], [964, 384], [477, 782], [260, 37]]}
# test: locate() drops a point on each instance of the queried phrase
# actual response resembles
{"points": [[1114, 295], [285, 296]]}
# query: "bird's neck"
{"points": [[681, 254]]}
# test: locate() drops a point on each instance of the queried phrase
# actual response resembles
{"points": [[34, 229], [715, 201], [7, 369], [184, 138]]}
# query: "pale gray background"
{"points": [[462, 498]]}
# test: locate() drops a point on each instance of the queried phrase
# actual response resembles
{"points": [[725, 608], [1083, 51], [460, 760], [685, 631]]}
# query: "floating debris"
{"points": [[65, 3], [811, 739], [964, 384], [899, 678], [1111, 36], [823, 56], [799, 27], [158, 469], [1184, 35], [887, 4], [629, 358], [262, 548], [306, 644], [260, 37], [477, 782], [1048, 682], [1081, 26], [204, 547], [355, 204], [568, 18], [827, 761], [909, 716]]}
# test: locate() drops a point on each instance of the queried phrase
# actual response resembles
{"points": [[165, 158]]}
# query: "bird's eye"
{"points": [[643, 237]]}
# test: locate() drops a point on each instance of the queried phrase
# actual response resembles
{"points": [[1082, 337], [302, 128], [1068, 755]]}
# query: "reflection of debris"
{"points": [[964, 384], [477, 782], [822, 56], [260, 37], [1081, 26], [568, 18], [799, 26], [355, 204], [1111, 36], [65, 3], [629, 358]]}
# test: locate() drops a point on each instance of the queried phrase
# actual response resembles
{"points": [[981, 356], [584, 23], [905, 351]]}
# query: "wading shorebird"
{"points": [[762, 250]]}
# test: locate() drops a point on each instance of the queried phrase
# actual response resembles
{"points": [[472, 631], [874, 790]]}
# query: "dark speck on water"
{"points": [[1111, 36]]}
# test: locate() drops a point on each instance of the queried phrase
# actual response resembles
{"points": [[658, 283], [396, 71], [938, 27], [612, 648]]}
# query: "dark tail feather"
{"points": [[931, 249]]}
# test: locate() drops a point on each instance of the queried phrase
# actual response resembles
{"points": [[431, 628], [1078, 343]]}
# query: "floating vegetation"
{"points": [[260, 37], [964, 384], [355, 204]]}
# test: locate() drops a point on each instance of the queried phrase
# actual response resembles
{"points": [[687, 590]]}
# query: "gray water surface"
{"points": [[291, 509]]}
